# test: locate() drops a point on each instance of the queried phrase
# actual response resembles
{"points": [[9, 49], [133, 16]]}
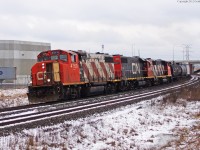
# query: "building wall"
{"points": [[23, 66], [20, 54], [5, 62]]}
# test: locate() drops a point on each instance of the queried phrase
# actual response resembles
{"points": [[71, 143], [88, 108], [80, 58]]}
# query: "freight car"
{"points": [[178, 71], [67, 74]]}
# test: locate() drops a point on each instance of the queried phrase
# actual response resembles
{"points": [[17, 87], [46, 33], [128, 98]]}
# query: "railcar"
{"points": [[183, 70], [176, 71]]}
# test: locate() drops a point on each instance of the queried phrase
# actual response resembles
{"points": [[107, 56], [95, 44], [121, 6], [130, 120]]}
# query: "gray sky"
{"points": [[153, 27]]}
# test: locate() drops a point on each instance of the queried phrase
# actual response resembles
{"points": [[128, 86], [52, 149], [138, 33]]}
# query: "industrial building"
{"points": [[22, 55]]}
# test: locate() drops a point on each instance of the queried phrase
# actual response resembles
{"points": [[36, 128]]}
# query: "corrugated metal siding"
{"points": [[20, 54], [7, 73], [23, 66], [6, 62]]}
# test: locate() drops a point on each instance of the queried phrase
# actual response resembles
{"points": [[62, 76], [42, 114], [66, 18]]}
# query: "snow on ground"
{"points": [[146, 125], [13, 97]]}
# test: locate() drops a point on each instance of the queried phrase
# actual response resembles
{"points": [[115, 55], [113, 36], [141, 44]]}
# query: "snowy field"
{"points": [[147, 125], [13, 97]]}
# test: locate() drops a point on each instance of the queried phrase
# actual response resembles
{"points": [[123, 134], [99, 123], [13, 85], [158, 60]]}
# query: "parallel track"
{"points": [[88, 108]]}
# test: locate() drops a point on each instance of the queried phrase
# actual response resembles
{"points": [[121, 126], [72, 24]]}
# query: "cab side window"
{"points": [[73, 58], [63, 57]]}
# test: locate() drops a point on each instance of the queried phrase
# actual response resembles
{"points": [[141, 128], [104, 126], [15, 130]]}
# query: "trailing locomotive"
{"points": [[66, 74]]}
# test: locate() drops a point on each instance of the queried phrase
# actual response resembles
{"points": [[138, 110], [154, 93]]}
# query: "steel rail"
{"points": [[28, 118], [16, 111]]}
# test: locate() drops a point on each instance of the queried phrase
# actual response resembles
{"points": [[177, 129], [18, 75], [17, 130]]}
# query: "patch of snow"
{"points": [[13, 97], [145, 125]]}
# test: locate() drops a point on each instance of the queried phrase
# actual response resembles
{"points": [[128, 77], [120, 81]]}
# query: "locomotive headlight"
{"points": [[48, 80], [43, 66]]}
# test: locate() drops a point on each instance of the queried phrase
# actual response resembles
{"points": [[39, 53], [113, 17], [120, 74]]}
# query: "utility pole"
{"points": [[102, 48], [175, 45], [139, 52], [133, 49]]}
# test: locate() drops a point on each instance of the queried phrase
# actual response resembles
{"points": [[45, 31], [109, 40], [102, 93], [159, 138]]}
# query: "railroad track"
{"points": [[34, 118], [48, 105]]}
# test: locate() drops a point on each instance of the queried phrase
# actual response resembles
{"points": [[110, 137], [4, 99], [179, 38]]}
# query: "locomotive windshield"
{"points": [[53, 56]]}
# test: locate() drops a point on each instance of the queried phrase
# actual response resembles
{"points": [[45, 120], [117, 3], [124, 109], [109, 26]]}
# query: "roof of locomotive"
{"points": [[133, 59], [128, 57], [59, 50]]}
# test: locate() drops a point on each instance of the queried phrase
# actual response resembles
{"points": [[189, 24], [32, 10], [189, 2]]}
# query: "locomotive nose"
{"points": [[52, 74], [47, 73]]}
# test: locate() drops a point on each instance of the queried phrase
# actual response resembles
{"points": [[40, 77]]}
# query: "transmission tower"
{"points": [[187, 51]]}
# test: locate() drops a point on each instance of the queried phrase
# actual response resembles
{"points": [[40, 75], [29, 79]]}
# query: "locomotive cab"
{"points": [[47, 70], [54, 69]]}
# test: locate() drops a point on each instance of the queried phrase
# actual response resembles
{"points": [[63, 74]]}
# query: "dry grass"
{"points": [[188, 93], [188, 138]]}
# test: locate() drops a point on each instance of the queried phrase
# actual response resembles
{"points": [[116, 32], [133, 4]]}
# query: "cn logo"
{"points": [[1, 72], [135, 68]]}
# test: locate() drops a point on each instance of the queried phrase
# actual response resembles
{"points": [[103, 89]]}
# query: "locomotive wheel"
{"points": [[74, 93], [149, 83], [71, 93], [110, 88], [130, 86], [66, 93], [84, 91]]}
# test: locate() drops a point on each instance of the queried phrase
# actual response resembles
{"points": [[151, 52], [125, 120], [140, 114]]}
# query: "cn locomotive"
{"points": [[68, 74]]}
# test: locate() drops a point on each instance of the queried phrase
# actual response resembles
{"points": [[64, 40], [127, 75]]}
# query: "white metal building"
{"points": [[22, 55]]}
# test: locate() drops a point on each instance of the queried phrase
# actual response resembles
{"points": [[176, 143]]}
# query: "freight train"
{"points": [[68, 74]]}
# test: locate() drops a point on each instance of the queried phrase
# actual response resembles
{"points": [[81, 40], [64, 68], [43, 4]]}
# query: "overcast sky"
{"points": [[152, 27]]}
